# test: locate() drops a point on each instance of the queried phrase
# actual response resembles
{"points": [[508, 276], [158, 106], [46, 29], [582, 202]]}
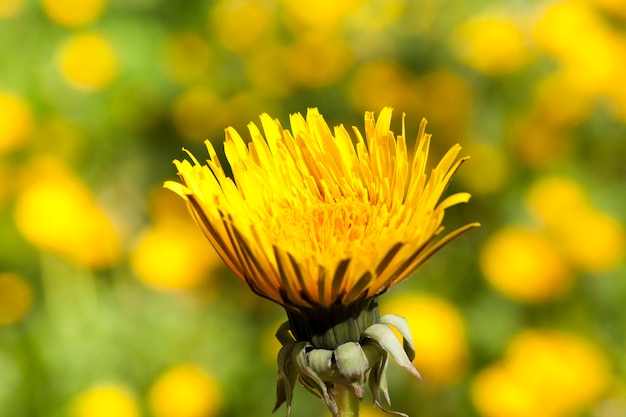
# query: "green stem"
{"points": [[347, 402]]}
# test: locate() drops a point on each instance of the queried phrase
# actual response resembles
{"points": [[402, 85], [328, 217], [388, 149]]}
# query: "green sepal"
{"points": [[321, 361], [401, 326], [309, 378], [384, 336], [283, 334], [287, 377], [352, 365]]}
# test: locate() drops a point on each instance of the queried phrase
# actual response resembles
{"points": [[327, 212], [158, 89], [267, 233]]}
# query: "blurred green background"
{"points": [[113, 304]]}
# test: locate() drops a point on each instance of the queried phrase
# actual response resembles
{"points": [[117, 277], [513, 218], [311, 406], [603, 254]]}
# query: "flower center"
{"points": [[328, 231]]}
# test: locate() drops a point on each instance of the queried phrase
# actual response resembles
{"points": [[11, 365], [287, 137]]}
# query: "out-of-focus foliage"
{"points": [[113, 304]]}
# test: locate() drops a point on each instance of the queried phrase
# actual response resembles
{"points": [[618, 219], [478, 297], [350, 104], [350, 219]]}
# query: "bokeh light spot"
{"points": [[57, 213], [524, 265], [544, 373], [184, 391], [491, 44], [88, 62], [105, 401], [73, 13], [16, 122]]}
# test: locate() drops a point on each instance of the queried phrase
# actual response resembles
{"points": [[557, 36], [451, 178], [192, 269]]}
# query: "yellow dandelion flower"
{"points": [[322, 226], [73, 13], [104, 401], [525, 265], [185, 391], [172, 255], [56, 212], [544, 373], [310, 219], [88, 62], [491, 44], [16, 122]]}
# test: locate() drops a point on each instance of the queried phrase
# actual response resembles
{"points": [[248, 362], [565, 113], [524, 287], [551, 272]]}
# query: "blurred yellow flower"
{"points": [[228, 18], [73, 13], [320, 16], [16, 122], [524, 265], [174, 255], [594, 241], [591, 240], [592, 54], [10, 8], [567, 373], [88, 62], [105, 401], [188, 57], [438, 330], [496, 393], [286, 222], [184, 391], [16, 298], [553, 197], [491, 44], [57, 213], [544, 373]]}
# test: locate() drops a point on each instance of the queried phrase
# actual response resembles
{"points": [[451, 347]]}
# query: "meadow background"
{"points": [[113, 304]]}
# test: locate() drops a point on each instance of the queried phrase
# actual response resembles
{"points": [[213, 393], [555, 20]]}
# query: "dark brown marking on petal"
{"points": [[356, 291], [440, 244], [338, 278], [393, 277], [297, 271], [245, 261], [254, 267], [388, 258], [204, 221], [321, 286], [282, 273]]}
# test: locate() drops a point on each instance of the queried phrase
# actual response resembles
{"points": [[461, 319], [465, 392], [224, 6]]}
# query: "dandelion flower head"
{"points": [[311, 218]]}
